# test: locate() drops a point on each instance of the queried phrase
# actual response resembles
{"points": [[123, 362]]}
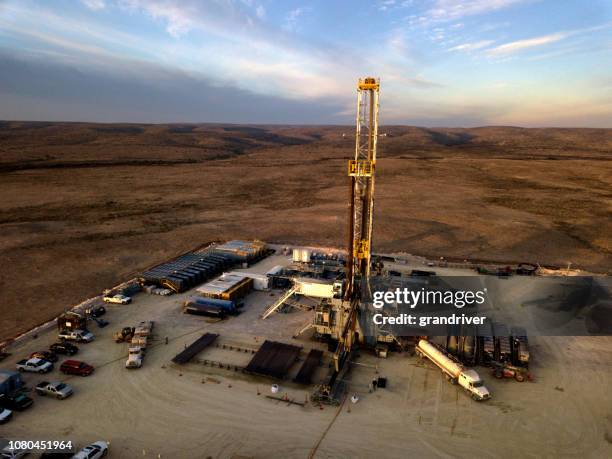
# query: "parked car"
{"points": [[45, 355], [76, 367], [17, 402], [56, 389], [101, 322], [35, 365], [97, 311], [5, 415], [94, 451], [81, 336], [64, 348], [117, 299]]}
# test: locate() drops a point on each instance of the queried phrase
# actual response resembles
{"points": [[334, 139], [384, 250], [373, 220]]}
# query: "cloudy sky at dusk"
{"points": [[441, 62]]}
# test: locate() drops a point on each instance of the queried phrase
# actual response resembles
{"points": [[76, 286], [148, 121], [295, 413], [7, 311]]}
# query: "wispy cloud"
{"points": [[446, 10], [291, 20], [520, 45], [94, 4], [468, 47], [386, 4], [528, 43]]}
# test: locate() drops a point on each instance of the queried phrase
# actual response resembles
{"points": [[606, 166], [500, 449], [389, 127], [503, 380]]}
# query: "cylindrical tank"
{"points": [[227, 305], [439, 358], [452, 345], [469, 349], [204, 309]]}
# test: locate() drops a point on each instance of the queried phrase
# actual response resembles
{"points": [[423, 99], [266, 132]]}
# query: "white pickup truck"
{"points": [[35, 365], [55, 389], [82, 336], [117, 299]]}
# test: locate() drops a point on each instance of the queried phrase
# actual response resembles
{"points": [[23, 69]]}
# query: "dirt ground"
{"points": [[194, 411], [84, 205]]}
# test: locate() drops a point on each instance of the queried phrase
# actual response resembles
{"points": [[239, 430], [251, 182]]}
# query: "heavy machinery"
{"points": [[124, 335], [453, 370], [341, 322]]}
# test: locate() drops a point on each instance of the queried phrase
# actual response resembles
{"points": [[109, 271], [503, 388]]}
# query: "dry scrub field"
{"points": [[85, 205]]}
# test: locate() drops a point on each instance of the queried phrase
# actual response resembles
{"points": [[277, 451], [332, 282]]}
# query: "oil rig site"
{"points": [[257, 349]]}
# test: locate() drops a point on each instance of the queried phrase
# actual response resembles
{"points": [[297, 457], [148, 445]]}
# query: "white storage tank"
{"points": [[301, 255]]}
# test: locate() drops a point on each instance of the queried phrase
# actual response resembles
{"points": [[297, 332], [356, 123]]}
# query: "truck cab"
{"points": [[470, 381], [135, 356]]}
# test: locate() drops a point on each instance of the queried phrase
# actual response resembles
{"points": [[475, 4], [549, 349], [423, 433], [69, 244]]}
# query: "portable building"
{"points": [[227, 287]]}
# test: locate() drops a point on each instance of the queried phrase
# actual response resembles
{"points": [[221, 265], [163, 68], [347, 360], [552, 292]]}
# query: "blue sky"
{"points": [[441, 62]]}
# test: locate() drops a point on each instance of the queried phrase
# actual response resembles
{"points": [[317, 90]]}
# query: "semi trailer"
{"points": [[453, 370], [520, 347], [503, 351]]}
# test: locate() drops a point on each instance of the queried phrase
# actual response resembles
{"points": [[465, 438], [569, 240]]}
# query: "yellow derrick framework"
{"points": [[361, 171]]}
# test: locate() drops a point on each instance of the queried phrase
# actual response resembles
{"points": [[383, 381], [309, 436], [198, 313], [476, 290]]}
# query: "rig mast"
{"points": [[361, 171]]}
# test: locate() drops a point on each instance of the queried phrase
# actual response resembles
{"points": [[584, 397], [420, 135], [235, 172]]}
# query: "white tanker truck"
{"points": [[454, 371]]}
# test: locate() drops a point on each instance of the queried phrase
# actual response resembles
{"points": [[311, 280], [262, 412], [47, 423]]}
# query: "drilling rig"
{"points": [[340, 319]]}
